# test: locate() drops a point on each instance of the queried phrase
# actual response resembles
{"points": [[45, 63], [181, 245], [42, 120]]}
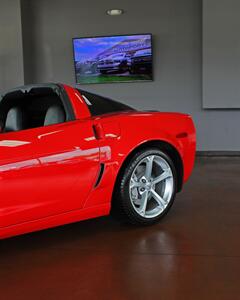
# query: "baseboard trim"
{"points": [[218, 153]]}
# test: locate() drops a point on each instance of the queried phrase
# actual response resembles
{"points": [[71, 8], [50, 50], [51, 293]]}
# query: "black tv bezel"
{"points": [[115, 35]]}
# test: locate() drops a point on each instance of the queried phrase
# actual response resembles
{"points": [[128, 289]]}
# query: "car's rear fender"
{"points": [[175, 130], [123, 136]]}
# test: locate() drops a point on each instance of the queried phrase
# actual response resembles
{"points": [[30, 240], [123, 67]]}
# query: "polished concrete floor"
{"points": [[194, 253]]}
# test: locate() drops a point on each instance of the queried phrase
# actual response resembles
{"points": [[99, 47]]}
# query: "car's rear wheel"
{"points": [[146, 188]]}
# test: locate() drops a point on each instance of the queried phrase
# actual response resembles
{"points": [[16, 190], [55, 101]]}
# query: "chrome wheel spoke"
{"points": [[149, 167], [158, 199], [166, 174], [135, 184], [143, 206]]}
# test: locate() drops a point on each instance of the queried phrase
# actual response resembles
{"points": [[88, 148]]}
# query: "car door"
{"points": [[46, 171]]}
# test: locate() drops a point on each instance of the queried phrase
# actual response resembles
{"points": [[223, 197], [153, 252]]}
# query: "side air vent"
{"points": [[100, 175]]}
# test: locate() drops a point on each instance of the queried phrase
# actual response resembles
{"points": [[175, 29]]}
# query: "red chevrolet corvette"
{"points": [[67, 155]]}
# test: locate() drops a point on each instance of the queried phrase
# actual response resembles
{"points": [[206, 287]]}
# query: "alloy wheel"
{"points": [[151, 186]]}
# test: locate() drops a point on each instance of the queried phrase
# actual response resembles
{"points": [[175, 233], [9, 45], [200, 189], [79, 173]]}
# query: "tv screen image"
{"points": [[122, 58]]}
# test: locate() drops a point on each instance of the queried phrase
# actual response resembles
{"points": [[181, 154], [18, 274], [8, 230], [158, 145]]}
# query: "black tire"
{"points": [[122, 208]]}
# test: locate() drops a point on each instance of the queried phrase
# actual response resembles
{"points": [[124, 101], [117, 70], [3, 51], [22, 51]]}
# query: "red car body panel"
{"points": [[48, 174]]}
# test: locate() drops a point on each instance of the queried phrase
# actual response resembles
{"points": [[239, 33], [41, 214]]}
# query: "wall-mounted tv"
{"points": [[122, 58]]}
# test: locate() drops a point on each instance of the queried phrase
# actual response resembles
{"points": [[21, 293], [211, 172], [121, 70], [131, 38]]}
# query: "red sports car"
{"points": [[67, 155]]}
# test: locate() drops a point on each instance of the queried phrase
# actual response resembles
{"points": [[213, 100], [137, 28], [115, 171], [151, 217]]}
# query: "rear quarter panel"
{"points": [[125, 132], [122, 133]]}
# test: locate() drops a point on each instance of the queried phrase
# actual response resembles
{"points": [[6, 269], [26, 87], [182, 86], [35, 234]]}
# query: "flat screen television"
{"points": [[122, 58]]}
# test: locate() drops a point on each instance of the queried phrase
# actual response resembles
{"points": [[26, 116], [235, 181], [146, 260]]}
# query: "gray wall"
{"points": [[11, 53], [221, 54], [48, 27]]}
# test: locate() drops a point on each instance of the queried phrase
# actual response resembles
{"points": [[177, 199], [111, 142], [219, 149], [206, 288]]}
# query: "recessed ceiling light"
{"points": [[115, 12]]}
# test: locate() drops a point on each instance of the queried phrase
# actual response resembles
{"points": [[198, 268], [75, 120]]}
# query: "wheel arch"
{"points": [[164, 146]]}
